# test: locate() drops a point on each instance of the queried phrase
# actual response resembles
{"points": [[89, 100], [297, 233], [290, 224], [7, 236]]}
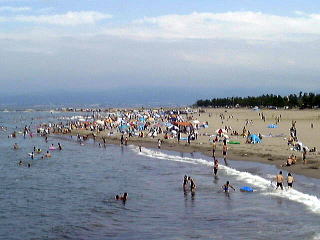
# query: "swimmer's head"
{"points": [[117, 197], [289, 174], [280, 172], [228, 182]]}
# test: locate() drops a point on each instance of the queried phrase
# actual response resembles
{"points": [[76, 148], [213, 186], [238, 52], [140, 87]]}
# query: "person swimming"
{"points": [[123, 197], [15, 146], [226, 187], [47, 155]]}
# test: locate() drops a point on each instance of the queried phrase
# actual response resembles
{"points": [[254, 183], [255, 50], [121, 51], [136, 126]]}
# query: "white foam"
{"points": [[316, 237], [263, 185]]}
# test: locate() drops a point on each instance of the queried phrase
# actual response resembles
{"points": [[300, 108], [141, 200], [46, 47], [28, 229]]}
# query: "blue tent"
{"points": [[272, 126], [254, 139]]}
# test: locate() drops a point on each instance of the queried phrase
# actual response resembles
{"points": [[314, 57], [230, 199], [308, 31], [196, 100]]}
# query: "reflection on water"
{"points": [[71, 195]]}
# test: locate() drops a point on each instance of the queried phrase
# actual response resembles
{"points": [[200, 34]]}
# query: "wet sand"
{"points": [[272, 150]]}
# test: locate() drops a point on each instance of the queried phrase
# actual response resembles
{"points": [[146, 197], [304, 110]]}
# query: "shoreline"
{"points": [[309, 170]]}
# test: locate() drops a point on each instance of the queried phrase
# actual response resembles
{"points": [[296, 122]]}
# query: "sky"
{"points": [[232, 46]]}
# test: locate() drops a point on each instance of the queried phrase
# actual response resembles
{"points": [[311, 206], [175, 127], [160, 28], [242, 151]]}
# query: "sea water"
{"points": [[71, 194]]}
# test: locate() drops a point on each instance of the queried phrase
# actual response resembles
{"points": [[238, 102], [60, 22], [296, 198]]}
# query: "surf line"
{"points": [[311, 202]]}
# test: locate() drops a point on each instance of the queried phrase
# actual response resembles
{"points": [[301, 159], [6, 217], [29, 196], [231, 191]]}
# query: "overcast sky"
{"points": [[205, 44]]}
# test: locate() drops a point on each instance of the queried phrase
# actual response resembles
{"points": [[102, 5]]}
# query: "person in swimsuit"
{"points": [[290, 180], [215, 167], [224, 151], [279, 179], [47, 155], [185, 182], [304, 153], [15, 146], [214, 149], [226, 187], [124, 197], [192, 184]]}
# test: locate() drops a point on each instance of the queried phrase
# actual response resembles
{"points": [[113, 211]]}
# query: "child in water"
{"points": [[226, 186]]}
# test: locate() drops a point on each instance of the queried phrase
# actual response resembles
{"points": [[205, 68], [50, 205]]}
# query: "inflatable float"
{"points": [[246, 189]]}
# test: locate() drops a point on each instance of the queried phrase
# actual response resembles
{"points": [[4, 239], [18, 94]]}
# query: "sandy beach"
{"points": [[273, 149]]}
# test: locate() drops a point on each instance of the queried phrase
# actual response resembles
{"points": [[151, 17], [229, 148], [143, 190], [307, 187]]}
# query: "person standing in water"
{"points": [[59, 146], [226, 187], [279, 180], [185, 182], [224, 151], [192, 184], [290, 180], [215, 167], [159, 143]]}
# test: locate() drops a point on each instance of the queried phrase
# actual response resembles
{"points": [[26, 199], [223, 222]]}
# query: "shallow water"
{"points": [[71, 195]]}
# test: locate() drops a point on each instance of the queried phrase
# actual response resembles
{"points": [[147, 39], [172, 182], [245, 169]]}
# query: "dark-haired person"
{"points": [[290, 180], [226, 187], [279, 180]]}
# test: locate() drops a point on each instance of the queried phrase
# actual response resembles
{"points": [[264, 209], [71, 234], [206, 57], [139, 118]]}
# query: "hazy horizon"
{"points": [[223, 47]]}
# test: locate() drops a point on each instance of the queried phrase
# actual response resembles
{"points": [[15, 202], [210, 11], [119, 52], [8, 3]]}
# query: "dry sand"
{"points": [[272, 150]]}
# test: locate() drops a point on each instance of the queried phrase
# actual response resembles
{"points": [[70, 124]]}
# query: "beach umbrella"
{"points": [[221, 130]]}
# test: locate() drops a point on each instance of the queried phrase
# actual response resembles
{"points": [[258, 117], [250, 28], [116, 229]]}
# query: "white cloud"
{"points": [[14, 9], [67, 19], [229, 25]]}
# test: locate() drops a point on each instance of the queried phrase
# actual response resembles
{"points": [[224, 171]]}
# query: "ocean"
{"points": [[71, 194]]}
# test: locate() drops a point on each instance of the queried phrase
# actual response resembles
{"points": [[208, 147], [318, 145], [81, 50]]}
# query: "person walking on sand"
{"points": [[214, 146], [304, 153], [279, 180], [290, 180]]}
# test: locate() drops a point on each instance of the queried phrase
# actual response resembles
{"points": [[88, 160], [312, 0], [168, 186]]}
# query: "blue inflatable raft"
{"points": [[246, 189]]}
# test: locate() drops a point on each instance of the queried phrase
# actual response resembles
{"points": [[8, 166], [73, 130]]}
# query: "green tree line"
{"points": [[302, 100]]}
